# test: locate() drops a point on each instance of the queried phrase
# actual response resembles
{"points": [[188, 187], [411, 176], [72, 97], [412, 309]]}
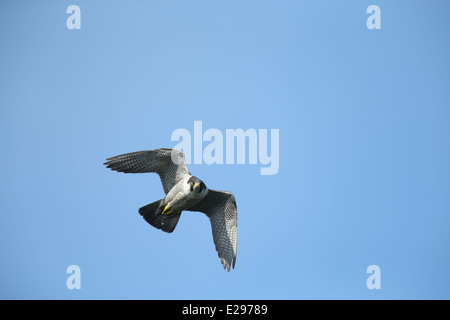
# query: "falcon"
{"points": [[183, 191]]}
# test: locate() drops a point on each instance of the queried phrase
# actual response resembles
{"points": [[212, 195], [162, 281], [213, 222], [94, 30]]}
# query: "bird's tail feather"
{"points": [[152, 214]]}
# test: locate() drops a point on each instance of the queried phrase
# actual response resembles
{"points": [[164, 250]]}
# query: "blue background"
{"points": [[364, 147]]}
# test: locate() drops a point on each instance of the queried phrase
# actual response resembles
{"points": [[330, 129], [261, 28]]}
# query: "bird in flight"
{"points": [[183, 191]]}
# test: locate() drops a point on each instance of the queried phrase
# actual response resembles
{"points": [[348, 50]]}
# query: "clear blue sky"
{"points": [[364, 120]]}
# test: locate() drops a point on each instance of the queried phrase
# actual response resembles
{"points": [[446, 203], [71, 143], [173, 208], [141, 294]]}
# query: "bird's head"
{"points": [[196, 184]]}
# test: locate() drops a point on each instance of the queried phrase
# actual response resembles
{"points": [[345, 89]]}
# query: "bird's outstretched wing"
{"points": [[169, 164], [220, 207]]}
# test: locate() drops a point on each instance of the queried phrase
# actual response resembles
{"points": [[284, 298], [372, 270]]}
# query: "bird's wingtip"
{"points": [[228, 265]]}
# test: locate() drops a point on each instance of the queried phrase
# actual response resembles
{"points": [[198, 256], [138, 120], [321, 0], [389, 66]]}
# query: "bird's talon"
{"points": [[166, 210]]}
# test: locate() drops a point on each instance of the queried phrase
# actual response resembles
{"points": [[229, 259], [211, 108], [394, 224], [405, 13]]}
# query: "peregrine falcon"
{"points": [[183, 191]]}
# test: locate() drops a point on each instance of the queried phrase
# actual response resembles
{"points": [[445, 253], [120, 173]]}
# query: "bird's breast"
{"points": [[182, 197]]}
